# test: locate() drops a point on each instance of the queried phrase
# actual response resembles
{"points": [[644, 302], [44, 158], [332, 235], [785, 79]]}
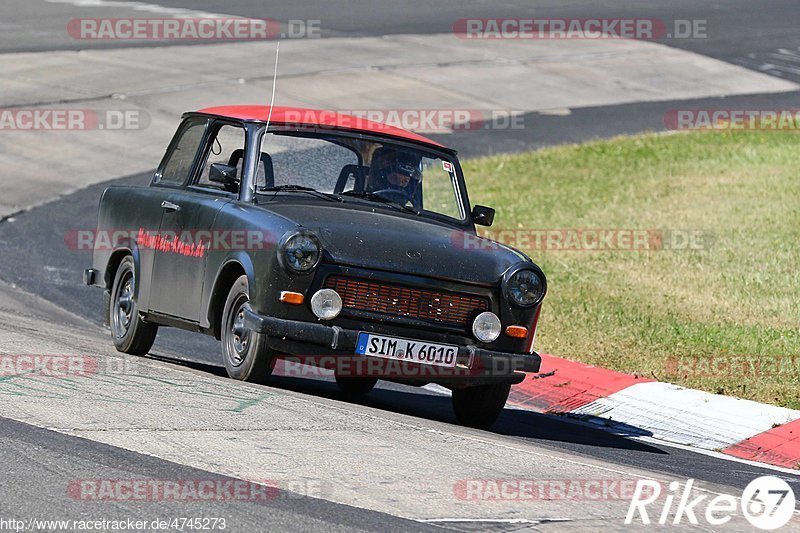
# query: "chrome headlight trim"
{"points": [[512, 275], [286, 242]]}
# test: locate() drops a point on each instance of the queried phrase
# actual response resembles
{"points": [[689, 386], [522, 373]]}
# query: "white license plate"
{"points": [[427, 353]]}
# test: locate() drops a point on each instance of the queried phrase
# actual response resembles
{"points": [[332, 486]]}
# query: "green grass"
{"points": [[735, 298]]}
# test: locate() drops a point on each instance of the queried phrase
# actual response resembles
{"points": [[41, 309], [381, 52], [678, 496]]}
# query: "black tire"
{"points": [[246, 354], [357, 387], [479, 407], [131, 334]]}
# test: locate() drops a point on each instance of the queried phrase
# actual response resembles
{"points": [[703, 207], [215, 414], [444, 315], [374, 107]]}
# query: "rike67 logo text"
{"points": [[767, 502]]}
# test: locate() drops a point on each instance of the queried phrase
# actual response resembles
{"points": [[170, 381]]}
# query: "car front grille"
{"points": [[369, 296]]}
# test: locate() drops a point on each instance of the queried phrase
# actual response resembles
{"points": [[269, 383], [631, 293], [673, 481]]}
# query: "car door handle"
{"points": [[169, 206]]}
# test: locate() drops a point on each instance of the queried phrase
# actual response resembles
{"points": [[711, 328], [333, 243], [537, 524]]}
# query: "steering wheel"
{"points": [[398, 196]]}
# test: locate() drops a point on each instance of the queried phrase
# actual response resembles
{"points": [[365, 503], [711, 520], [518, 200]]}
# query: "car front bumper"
{"points": [[480, 366]]}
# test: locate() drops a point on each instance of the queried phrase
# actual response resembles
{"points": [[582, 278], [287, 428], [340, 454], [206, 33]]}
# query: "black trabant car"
{"points": [[333, 241]]}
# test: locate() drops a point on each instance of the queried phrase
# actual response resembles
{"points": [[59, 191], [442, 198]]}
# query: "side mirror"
{"points": [[482, 215], [224, 174]]}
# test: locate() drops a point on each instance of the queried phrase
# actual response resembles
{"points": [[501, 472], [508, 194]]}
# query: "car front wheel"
{"points": [[246, 355], [479, 406], [131, 334]]}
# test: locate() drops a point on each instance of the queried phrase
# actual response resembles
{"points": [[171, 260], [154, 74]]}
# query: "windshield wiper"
{"points": [[302, 188], [366, 195]]}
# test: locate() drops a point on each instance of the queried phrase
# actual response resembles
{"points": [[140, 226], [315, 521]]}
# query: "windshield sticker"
{"points": [[447, 166]]}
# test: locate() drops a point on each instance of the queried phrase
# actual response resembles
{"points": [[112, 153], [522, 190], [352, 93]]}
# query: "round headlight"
{"points": [[525, 288], [300, 252], [326, 304], [486, 327]]}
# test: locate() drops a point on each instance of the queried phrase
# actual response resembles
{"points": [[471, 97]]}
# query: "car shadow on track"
{"points": [[512, 422], [423, 404]]}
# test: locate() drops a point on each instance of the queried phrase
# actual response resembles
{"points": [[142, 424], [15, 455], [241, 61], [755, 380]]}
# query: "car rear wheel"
{"points": [[355, 387], [479, 406], [131, 334], [246, 354]]}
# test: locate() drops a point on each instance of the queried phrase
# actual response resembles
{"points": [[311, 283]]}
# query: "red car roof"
{"points": [[315, 117]]}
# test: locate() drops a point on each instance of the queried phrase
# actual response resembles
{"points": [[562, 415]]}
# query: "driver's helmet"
{"points": [[396, 169]]}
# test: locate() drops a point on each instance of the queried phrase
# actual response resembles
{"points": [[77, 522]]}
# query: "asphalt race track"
{"points": [[215, 429], [739, 31], [60, 459], [45, 266]]}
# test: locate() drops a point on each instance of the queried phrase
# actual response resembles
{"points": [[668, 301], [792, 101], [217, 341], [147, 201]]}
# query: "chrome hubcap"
{"points": [[124, 306], [239, 336]]}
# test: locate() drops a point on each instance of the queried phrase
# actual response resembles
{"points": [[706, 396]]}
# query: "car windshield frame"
{"points": [[427, 150]]}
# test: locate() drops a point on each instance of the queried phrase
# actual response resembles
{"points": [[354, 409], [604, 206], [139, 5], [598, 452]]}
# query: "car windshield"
{"points": [[391, 175]]}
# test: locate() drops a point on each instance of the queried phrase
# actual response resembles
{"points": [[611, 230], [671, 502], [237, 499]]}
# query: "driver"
{"points": [[397, 170]]}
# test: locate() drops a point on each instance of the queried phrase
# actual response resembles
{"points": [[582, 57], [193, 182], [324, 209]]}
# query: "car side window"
{"points": [[178, 164], [227, 148], [306, 161]]}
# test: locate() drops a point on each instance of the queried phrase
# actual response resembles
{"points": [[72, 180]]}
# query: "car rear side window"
{"points": [[226, 148], [179, 161]]}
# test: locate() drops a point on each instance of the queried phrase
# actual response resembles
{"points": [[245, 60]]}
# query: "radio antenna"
{"points": [[271, 104], [274, 83]]}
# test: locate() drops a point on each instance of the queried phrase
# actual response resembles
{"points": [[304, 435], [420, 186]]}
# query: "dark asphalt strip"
{"points": [[536, 130], [43, 471], [742, 32]]}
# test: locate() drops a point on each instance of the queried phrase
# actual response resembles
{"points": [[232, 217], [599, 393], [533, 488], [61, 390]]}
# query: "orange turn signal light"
{"points": [[518, 332], [294, 298]]}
